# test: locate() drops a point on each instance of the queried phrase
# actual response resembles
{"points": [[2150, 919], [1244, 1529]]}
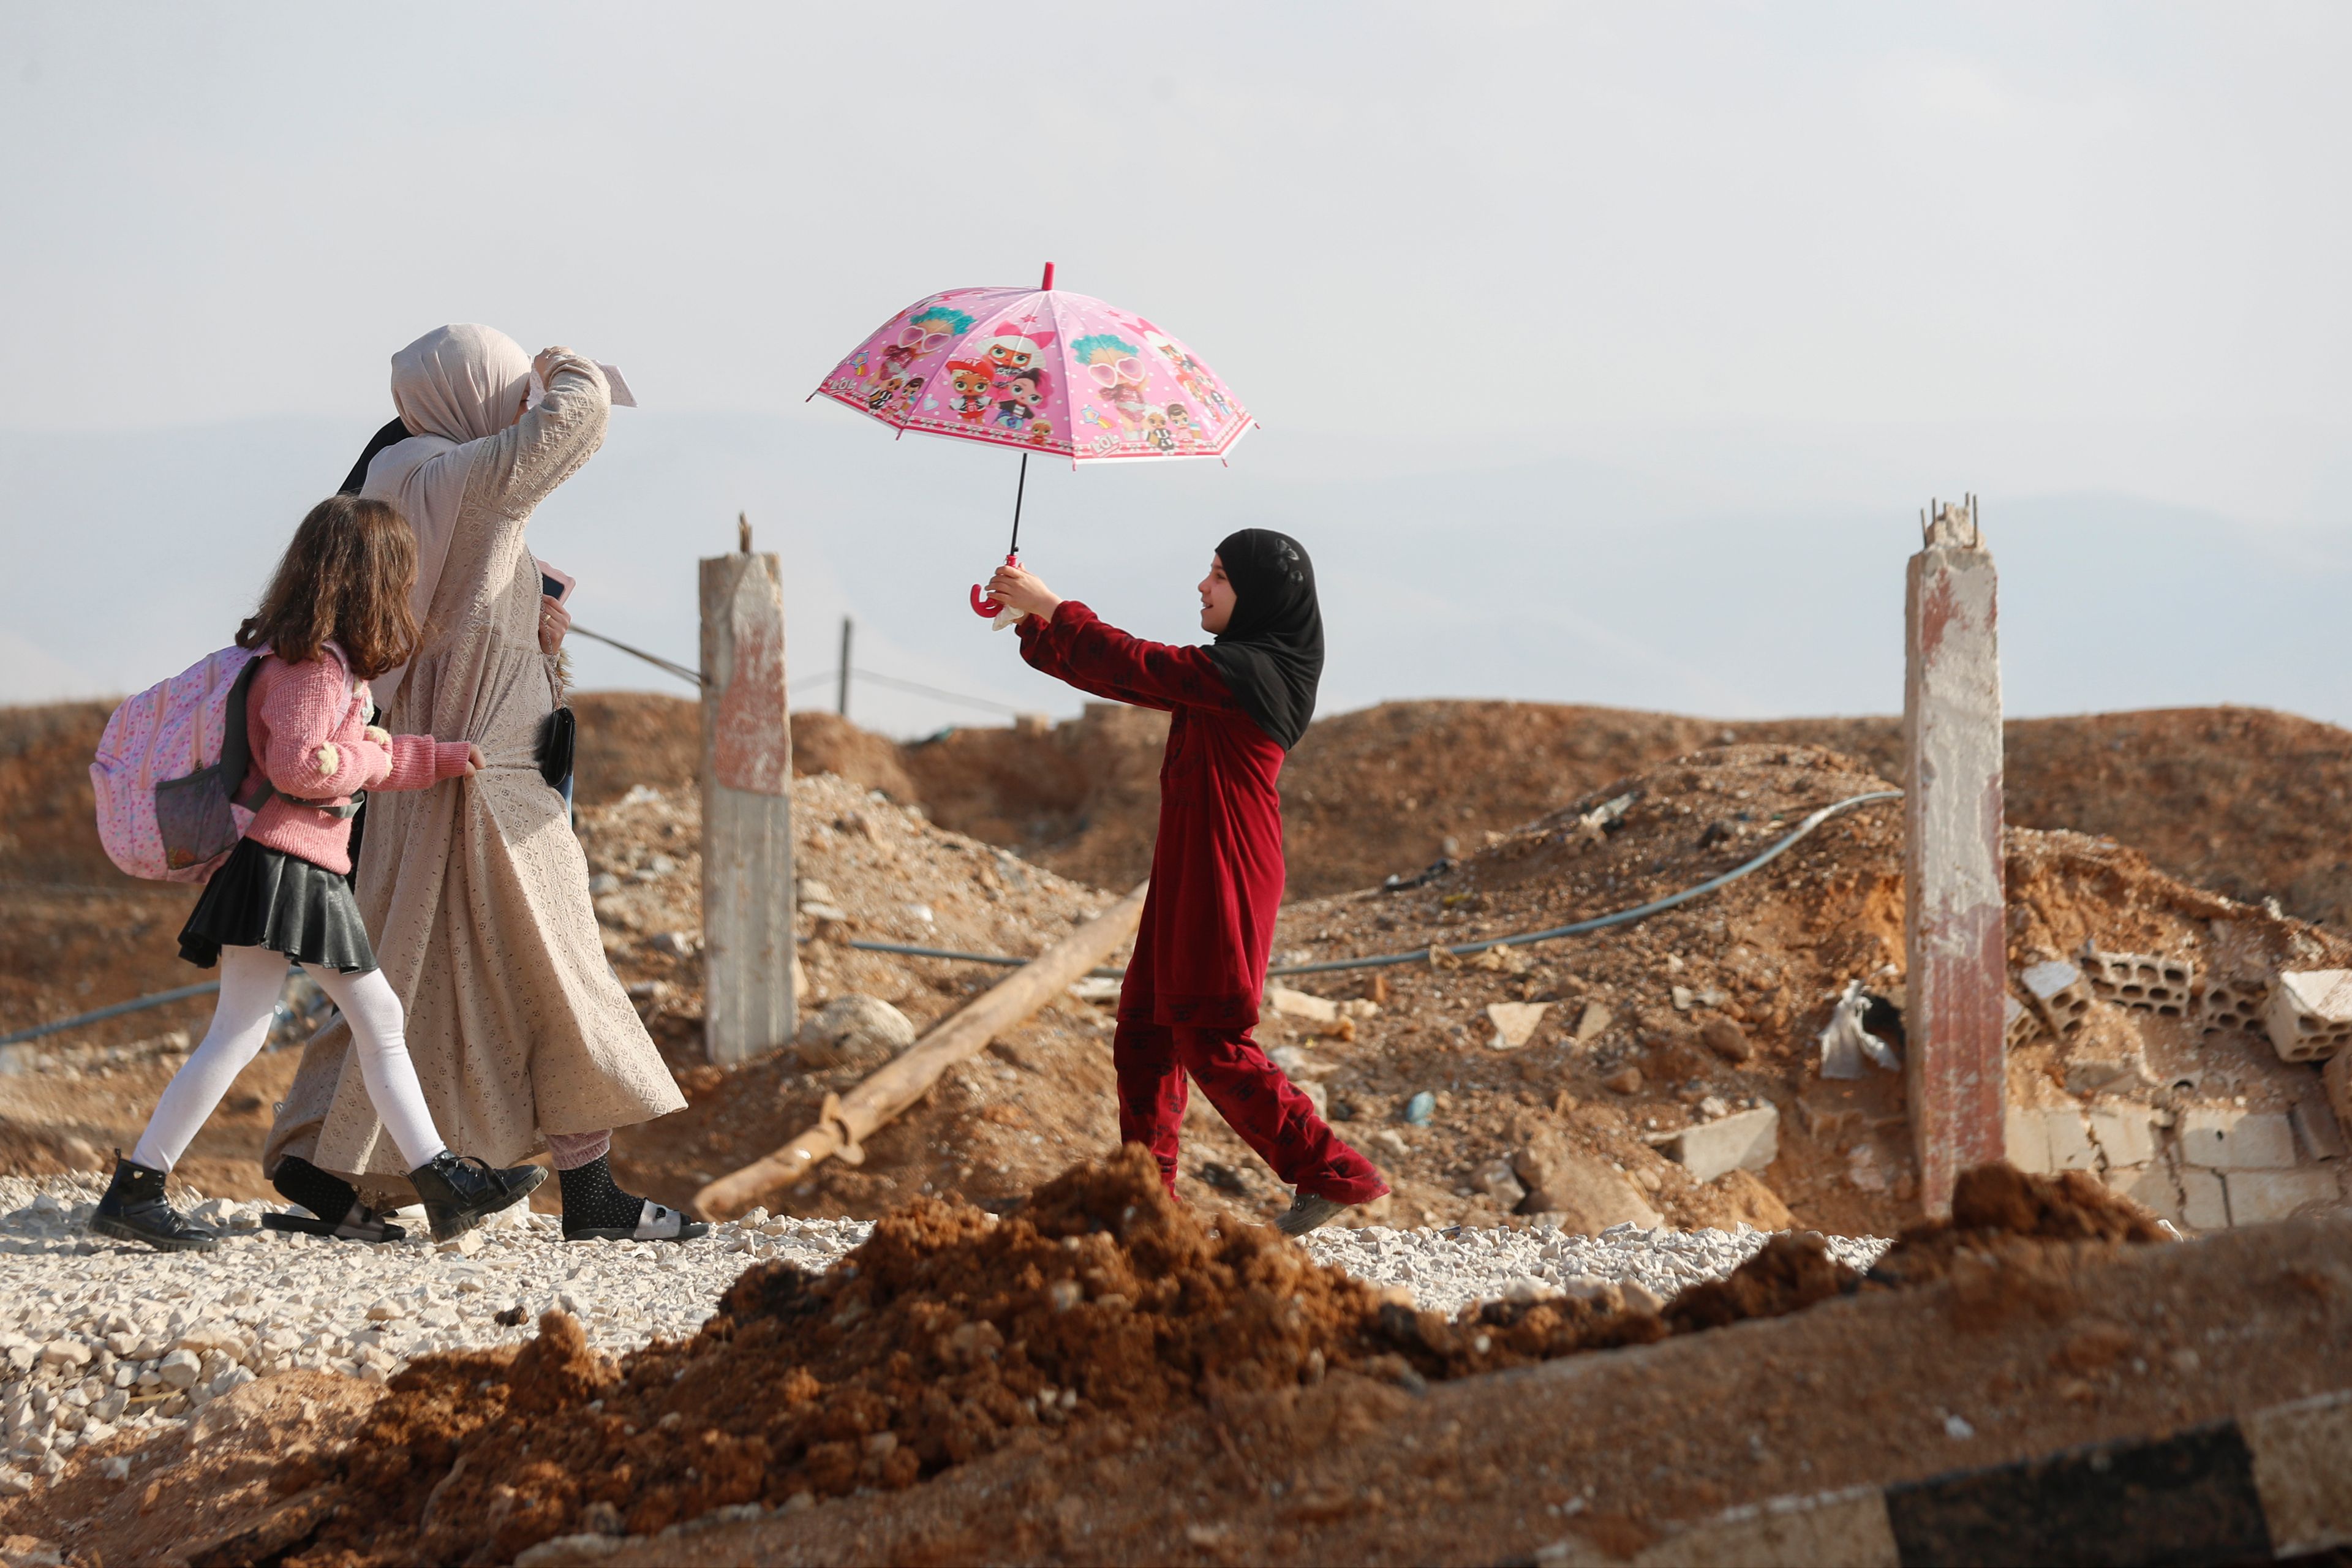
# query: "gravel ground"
{"points": [[1448, 1270], [96, 1338]]}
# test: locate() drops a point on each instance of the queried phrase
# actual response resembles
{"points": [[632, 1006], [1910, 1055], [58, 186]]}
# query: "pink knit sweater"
{"points": [[308, 726]]}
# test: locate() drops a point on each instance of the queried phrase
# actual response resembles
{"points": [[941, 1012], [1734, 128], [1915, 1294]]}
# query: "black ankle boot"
{"points": [[461, 1191], [133, 1209]]}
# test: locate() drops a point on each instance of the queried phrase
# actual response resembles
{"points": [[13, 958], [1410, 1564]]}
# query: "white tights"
{"points": [[251, 979]]}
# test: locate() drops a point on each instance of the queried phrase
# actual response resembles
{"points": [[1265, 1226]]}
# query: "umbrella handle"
{"points": [[985, 606]]}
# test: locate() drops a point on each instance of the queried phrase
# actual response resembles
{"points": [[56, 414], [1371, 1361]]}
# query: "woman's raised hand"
{"points": [[1024, 591], [473, 762]]}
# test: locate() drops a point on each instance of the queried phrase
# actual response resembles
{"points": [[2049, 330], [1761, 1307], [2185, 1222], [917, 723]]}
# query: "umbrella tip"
{"points": [[1049, 284]]}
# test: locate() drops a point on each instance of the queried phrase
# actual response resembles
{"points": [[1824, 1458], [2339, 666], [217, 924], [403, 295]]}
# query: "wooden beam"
{"points": [[846, 1121], [747, 809]]}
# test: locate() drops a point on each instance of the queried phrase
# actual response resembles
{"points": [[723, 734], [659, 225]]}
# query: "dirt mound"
{"points": [[2245, 801], [2067, 1207], [947, 1334], [629, 738], [47, 812], [1082, 797], [1993, 1203]]}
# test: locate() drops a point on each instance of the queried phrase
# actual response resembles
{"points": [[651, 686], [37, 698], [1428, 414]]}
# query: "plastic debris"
{"points": [[1845, 1043]]}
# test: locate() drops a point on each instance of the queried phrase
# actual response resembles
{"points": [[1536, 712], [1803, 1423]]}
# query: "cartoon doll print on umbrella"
{"points": [[1039, 370]]}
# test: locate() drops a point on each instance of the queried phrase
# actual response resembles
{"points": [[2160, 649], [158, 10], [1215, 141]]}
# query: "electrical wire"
{"points": [[1578, 927], [656, 660], [915, 687], [921, 690], [1469, 948]]}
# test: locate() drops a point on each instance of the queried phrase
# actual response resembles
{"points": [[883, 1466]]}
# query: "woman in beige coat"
{"points": [[476, 896]]}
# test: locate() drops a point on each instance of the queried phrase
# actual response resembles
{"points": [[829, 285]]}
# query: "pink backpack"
{"points": [[170, 763]]}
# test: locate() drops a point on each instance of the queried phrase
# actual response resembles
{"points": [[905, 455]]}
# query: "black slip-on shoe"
{"points": [[1307, 1212]]}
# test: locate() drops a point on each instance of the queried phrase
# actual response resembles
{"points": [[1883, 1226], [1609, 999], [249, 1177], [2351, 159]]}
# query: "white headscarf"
{"points": [[454, 387]]}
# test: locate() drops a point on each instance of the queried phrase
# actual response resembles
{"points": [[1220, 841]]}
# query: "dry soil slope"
{"points": [[2248, 802], [2245, 801]]}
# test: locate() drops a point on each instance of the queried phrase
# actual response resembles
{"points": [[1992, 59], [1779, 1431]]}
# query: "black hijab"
{"points": [[1271, 652], [391, 434]]}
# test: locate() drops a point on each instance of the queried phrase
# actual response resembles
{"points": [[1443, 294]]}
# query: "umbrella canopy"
{"points": [[1040, 370]]}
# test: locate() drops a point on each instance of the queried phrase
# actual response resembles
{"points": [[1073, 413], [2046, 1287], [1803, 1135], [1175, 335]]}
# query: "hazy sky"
{"points": [[1570, 328]]}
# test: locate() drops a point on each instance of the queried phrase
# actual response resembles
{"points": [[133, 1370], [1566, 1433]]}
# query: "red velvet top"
{"points": [[1216, 867]]}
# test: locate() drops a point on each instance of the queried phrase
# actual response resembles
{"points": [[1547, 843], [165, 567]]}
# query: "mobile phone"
{"points": [[615, 383], [555, 584]]}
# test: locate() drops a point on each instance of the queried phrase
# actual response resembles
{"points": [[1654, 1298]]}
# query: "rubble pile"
{"points": [[2163, 1036], [868, 870]]}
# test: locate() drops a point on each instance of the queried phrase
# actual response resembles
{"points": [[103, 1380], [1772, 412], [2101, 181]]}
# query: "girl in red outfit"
{"points": [[282, 893], [1192, 991]]}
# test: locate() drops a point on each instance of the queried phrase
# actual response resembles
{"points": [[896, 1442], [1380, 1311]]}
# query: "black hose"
{"points": [[1464, 949], [158, 1000]]}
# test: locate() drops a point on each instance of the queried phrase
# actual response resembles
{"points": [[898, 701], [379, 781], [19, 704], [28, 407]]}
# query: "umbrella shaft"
{"points": [[1019, 488]]}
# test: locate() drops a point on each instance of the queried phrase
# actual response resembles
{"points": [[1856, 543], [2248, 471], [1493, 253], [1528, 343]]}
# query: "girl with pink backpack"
{"points": [[336, 614]]}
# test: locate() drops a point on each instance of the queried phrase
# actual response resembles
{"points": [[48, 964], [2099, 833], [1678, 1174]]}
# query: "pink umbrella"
{"points": [[1039, 370]]}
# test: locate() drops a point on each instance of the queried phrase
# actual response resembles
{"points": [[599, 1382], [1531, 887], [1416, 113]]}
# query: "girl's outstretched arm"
{"points": [[1074, 645]]}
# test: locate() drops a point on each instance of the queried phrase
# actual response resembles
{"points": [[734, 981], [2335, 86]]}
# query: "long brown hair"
{"points": [[346, 576]]}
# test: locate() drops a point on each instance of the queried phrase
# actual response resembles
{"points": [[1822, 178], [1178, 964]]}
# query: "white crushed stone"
{"points": [[98, 1336], [1448, 1270]]}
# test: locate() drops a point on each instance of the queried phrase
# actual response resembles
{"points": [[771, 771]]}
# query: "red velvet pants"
{"points": [[1254, 1096]]}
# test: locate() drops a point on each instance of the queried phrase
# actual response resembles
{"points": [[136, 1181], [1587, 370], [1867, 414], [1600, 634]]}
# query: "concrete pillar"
{"points": [[1954, 924], [747, 818]]}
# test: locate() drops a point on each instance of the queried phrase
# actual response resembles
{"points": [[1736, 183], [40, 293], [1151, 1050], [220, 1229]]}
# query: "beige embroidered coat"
{"points": [[476, 891]]}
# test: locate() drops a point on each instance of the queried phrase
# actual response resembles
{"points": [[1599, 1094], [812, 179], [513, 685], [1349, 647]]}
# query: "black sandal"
{"points": [[361, 1224], [655, 1222]]}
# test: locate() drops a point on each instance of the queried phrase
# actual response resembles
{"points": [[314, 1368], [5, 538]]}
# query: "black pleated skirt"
{"points": [[266, 898]]}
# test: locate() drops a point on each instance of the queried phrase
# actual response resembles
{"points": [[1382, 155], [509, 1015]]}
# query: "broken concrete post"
{"points": [[1953, 916], [747, 808]]}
